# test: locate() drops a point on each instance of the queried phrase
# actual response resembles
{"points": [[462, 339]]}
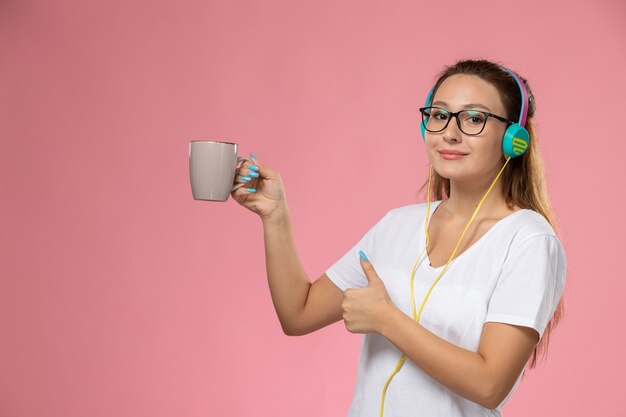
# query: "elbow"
{"points": [[493, 397], [490, 403], [291, 330], [293, 325]]}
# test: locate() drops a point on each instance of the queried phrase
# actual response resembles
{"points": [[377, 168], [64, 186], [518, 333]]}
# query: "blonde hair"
{"points": [[523, 179]]}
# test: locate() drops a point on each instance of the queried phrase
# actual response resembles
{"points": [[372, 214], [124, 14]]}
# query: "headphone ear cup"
{"points": [[515, 140]]}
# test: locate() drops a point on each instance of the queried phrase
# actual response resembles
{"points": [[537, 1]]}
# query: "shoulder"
{"points": [[525, 224], [529, 232]]}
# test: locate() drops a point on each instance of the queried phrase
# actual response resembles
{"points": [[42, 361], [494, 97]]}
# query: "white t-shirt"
{"points": [[515, 273]]}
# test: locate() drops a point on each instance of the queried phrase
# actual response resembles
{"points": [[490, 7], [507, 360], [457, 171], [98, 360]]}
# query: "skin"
{"points": [[485, 376]]}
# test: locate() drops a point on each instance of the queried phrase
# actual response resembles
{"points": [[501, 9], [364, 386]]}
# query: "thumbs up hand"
{"points": [[364, 309]]}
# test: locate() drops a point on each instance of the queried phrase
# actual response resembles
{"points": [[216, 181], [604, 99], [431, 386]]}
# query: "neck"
{"points": [[466, 195], [463, 200]]}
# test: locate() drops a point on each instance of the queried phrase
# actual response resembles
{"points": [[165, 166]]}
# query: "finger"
{"points": [[249, 184], [243, 191], [243, 178], [368, 268], [247, 171], [244, 168], [263, 170]]}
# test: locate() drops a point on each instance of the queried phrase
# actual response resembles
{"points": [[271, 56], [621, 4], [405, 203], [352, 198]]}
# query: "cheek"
{"points": [[490, 147], [491, 154], [496, 148], [428, 145]]}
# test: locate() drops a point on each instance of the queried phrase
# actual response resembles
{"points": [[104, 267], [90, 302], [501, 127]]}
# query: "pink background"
{"points": [[123, 296]]}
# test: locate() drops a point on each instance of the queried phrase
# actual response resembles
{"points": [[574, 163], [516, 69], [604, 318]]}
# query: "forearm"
{"points": [[460, 370], [289, 285]]}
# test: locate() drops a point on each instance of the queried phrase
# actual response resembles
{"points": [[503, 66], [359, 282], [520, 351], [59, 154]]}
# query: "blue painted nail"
{"points": [[253, 174], [246, 178], [362, 255], [252, 155], [253, 167], [250, 190]]}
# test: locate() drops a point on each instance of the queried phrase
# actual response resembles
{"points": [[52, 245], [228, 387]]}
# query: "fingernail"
{"points": [[250, 190], [246, 178], [253, 167], [362, 255], [254, 174], [254, 157]]}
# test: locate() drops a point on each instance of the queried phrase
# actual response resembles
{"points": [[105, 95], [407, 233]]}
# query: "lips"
{"points": [[451, 152], [451, 155]]}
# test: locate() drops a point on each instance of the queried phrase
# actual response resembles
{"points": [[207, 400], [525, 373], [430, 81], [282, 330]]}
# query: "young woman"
{"points": [[468, 287]]}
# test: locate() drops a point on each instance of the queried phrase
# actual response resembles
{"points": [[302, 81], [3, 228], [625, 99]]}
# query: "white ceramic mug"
{"points": [[212, 168]]}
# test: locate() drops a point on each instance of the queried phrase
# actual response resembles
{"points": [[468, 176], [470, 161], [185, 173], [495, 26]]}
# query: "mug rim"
{"points": [[213, 141]]}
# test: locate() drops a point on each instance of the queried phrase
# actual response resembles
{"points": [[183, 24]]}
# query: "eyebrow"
{"points": [[467, 106]]}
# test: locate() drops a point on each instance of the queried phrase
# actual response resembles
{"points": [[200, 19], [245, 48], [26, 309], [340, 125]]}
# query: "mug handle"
{"points": [[239, 159]]}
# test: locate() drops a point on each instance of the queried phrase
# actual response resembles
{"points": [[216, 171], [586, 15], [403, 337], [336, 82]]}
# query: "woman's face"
{"points": [[483, 156]]}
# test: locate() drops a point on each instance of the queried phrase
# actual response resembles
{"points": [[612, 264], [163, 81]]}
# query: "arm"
{"points": [[485, 376], [301, 307]]}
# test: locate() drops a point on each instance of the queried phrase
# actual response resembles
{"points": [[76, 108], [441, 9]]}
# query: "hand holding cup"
{"points": [[263, 193]]}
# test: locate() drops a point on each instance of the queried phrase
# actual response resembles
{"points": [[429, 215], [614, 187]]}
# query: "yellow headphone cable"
{"points": [[416, 317]]}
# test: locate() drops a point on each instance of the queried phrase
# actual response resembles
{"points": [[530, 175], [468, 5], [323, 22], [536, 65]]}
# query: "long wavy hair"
{"points": [[523, 179]]}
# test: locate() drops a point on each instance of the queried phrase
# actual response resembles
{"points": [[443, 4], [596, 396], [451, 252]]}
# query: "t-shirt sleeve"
{"points": [[347, 271], [530, 284]]}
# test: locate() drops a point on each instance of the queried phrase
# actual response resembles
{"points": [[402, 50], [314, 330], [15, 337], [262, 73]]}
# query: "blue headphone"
{"points": [[516, 138]]}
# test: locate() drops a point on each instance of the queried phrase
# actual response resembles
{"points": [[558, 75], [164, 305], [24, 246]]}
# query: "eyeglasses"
{"points": [[471, 122]]}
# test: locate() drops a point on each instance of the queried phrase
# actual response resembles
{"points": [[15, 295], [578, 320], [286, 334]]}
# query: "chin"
{"points": [[453, 170]]}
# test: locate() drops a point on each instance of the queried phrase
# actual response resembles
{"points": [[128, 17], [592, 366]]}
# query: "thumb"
{"points": [[368, 268]]}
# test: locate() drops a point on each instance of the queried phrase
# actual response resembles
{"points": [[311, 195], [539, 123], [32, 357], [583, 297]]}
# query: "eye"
{"points": [[439, 114], [475, 117]]}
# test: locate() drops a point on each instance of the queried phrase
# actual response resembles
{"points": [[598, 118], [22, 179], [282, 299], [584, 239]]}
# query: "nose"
{"points": [[452, 133]]}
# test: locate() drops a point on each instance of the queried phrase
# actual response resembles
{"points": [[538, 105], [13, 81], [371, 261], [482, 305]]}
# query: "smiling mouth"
{"points": [[452, 155]]}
